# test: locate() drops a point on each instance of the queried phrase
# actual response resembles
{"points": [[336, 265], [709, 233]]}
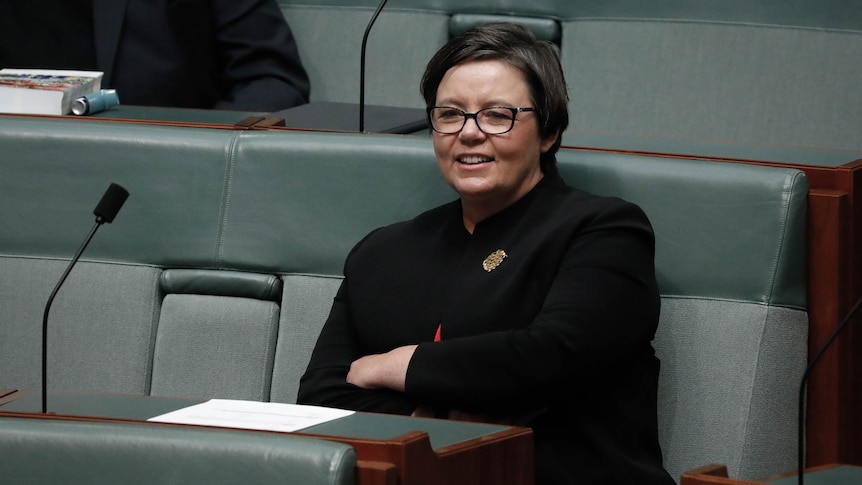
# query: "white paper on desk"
{"points": [[269, 416]]}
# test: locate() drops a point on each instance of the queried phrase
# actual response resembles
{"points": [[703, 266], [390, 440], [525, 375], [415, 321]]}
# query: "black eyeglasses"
{"points": [[495, 120]]}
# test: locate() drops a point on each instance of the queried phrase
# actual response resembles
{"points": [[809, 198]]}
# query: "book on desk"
{"points": [[44, 91]]}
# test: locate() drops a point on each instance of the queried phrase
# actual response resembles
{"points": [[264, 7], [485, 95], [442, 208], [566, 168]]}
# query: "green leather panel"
{"points": [[826, 14], [215, 347], [289, 207], [329, 43], [735, 367], [101, 326], [306, 304], [719, 83], [543, 28], [74, 452], [275, 202], [723, 230], [222, 283], [53, 172]]}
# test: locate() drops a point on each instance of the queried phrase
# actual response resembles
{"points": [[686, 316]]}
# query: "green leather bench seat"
{"points": [[92, 453], [216, 276], [733, 330], [742, 71]]}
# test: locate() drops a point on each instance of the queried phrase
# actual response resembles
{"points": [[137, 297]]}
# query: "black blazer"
{"points": [[225, 54], [557, 334]]}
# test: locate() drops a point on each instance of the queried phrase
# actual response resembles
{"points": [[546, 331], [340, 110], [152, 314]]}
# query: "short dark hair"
{"points": [[516, 45]]}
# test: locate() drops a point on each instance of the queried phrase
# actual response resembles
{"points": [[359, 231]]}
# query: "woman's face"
{"points": [[492, 171]]}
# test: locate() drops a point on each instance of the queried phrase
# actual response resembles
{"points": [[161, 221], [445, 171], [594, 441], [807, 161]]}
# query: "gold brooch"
{"points": [[493, 260]]}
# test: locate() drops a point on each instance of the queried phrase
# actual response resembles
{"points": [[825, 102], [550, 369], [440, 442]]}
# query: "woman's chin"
{"points": [[472, 186]]}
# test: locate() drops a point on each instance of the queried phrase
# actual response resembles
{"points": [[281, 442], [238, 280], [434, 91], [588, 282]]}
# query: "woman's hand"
{"points": [[387, 370], [423, 412]]}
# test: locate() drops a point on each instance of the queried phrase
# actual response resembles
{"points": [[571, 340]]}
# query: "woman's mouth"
{"points": [[472, 160]]}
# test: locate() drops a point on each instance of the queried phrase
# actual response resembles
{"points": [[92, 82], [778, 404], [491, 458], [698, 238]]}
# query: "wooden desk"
{"points": [[389, 449], [314, 116]]}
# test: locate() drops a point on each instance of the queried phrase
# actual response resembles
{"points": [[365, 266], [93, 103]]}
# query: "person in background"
{"points": [[221, 54], [525, 301]]}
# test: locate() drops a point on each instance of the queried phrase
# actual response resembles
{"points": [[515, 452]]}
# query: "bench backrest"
{"points": [[87, 453], [746, 71], [216, 276]]}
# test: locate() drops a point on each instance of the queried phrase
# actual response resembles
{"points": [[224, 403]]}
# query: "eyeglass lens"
{"points": [[493, 121]]}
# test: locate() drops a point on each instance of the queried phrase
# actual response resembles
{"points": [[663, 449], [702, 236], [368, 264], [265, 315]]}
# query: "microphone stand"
{"points": [[107, 208], [99, 222], [362, 67], [802, 386]]}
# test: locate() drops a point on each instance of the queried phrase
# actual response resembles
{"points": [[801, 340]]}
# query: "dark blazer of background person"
{"points": [[224, 54]]}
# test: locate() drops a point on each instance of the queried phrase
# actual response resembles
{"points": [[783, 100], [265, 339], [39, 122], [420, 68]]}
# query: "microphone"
{"points": [[362, 67], [802, 386], [110, 204], [105, 211]]}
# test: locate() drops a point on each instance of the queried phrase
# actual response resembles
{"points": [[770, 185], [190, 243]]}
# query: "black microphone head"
{"points": [[111, 203]]}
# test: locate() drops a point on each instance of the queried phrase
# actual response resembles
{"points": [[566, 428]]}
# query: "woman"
{"points": [[524, 302]]}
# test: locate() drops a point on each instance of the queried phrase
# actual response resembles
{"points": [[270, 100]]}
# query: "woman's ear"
{"points": [[549, 141]]}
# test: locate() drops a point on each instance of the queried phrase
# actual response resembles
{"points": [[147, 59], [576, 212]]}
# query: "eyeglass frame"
{"points": [[475, 116]]}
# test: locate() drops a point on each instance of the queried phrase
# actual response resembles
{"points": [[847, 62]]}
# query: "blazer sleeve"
{"points": [[261, 64], [325, 380]]}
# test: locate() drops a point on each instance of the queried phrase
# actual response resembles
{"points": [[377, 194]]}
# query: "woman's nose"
{"points": [[471, 128]]}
